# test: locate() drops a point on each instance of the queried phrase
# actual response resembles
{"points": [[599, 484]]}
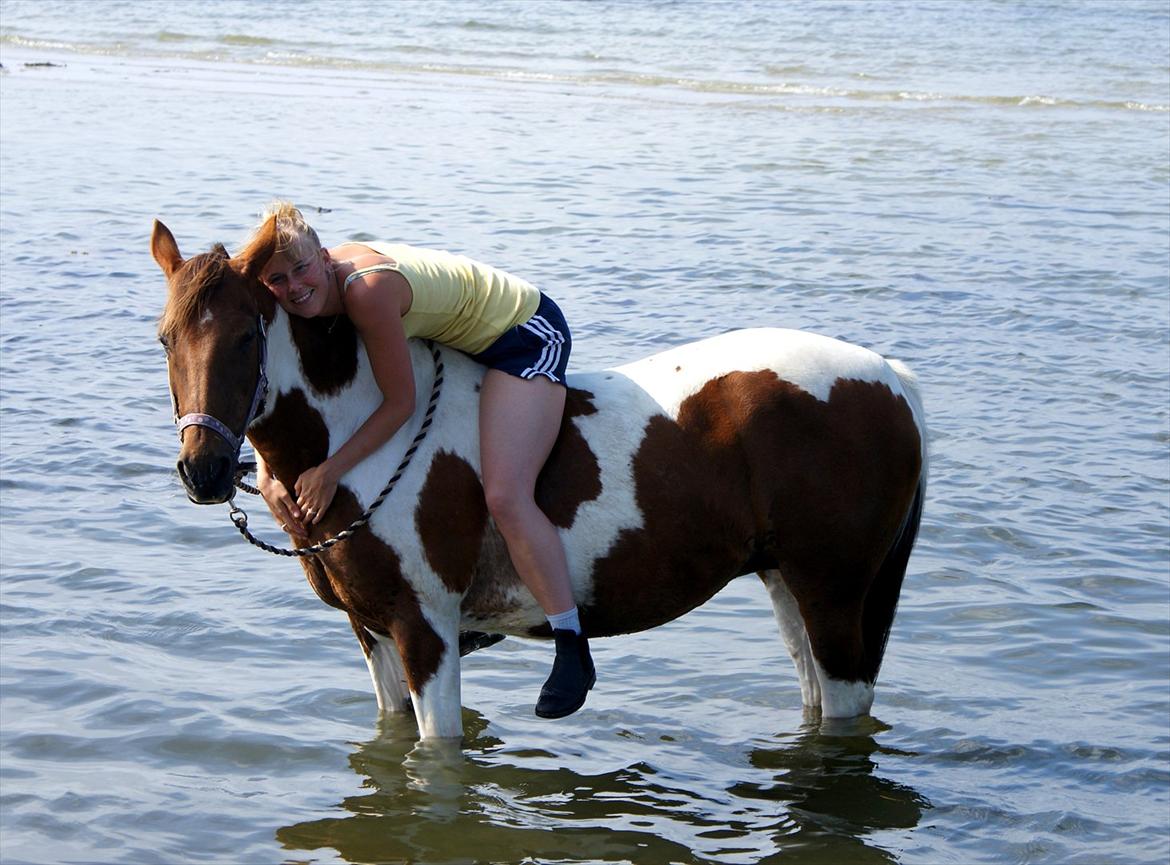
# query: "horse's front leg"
{"points": [[386, 669], [428, 643]]}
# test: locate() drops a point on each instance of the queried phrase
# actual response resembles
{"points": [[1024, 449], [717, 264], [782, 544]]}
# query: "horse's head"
{"points": [[213, 330]]}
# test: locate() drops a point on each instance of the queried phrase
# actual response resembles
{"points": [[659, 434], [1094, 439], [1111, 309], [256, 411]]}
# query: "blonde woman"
{"points": [[393, 291]]}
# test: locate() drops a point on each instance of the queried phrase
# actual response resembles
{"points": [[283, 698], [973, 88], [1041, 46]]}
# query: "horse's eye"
{"points": [[165, 343], [247, 339]]}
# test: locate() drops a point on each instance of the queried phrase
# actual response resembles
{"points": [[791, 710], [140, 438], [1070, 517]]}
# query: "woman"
{"points": [[391, 292]]}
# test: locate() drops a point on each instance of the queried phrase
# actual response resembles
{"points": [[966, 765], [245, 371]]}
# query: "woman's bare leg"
{"points": [[518, 424]]}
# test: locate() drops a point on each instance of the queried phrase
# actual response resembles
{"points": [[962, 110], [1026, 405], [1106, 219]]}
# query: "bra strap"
{"points": [[359, 273]]}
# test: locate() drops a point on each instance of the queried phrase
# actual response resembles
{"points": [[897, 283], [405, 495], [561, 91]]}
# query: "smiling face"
{"points": [[301, 279]]}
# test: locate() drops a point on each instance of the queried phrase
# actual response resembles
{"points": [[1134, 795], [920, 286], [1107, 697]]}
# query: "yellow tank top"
{"points": [[457, 301]]}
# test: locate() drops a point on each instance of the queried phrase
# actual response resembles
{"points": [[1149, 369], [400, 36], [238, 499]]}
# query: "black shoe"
{"points": [[573, 674]]}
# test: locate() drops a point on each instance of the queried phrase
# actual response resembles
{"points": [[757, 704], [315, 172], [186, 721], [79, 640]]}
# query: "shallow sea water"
{"points": [[981, 190]]}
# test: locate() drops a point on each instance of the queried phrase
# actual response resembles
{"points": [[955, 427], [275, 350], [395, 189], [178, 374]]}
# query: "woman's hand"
{"points": [[315, 490], [276, 496]]}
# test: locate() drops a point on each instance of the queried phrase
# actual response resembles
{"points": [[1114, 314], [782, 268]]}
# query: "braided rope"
{"points": [[240, 518]]}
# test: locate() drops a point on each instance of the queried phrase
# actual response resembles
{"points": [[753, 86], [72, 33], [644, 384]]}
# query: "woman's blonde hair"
{"points": [[293, 233]]}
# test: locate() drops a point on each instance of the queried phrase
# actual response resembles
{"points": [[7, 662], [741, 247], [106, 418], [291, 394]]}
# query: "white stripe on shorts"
{"points": [[550, 355]]}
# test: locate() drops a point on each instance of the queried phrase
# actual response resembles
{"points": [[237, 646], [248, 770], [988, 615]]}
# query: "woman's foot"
{"points": [[573, 674]]}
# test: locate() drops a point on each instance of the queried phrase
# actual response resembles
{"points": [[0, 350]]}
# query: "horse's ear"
{"points": [[261, 247], [164, 249]]}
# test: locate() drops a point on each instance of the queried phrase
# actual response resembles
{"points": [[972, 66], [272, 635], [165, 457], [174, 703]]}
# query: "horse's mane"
{"points": [[191, 287]]}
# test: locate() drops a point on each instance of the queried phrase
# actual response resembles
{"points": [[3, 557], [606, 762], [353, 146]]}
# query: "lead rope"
{"points": [[240, 518]]}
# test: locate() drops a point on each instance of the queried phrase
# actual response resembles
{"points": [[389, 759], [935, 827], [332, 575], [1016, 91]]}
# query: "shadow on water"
{"points": [[813, 798]]}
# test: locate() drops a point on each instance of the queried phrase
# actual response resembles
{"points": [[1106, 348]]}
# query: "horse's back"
{"points": [[809, 361]]}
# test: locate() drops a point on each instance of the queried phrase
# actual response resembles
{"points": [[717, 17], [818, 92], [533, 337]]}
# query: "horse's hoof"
{"points": [[472, 641], [572, 677]]}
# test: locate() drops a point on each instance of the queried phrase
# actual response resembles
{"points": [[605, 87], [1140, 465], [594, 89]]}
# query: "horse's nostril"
{"points": [[205, 477], [223, 468]]}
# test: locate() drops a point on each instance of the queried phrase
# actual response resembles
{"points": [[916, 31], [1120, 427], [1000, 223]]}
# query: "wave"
{"points": [[166, 44], [243, 39]]}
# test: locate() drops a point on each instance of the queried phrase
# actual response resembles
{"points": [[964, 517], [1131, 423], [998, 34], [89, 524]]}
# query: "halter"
{"points": [[218, 426]]}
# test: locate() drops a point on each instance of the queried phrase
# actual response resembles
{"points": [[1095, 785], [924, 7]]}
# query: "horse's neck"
{"points": [[301, 408]]}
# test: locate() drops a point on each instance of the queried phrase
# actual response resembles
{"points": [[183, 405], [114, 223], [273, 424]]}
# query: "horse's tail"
{"points": [[910, 391], [882, 600]]}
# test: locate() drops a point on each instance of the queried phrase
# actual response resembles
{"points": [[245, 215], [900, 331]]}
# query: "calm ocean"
{"points": [[981, 189]]}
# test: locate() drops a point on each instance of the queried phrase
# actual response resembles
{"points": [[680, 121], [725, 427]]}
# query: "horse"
{"points": [[782, 453]]}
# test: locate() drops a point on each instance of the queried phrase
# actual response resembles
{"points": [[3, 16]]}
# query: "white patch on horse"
{"points": [[841, 699], [795, 636], [388, 675], [809, 361], [284, 372], [598, 523], [207, 318], [908, 382], [438, 708]]}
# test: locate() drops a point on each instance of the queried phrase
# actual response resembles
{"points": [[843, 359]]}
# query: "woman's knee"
{"points": [[507, 502]]}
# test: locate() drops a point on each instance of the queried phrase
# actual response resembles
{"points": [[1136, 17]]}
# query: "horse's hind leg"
{"points": [[795, 637], [386, 670], [829, 653]]}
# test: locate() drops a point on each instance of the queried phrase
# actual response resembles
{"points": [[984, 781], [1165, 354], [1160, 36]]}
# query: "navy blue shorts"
{"points": [[539, 346]]}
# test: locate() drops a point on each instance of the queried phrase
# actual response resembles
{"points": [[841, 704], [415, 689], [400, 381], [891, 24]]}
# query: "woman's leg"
{"points": [[518, 423]]}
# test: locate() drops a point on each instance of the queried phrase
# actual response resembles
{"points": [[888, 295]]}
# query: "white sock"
{"points": [[566, 621]]}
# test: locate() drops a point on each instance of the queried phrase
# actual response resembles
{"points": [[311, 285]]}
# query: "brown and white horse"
{"points": [[778, 452]]}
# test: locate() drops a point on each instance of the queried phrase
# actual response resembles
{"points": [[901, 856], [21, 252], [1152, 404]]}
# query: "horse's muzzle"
{"points": [[207, 478]]}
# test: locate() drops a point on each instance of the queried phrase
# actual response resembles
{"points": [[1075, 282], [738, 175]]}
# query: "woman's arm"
{"points": [[278, 499], [375, 304]]}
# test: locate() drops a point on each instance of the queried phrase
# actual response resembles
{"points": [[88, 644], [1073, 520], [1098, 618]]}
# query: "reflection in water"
{"points": [[811, 796], [832, 799]]}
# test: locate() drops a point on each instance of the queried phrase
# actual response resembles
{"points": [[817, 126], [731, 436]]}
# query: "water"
{"points": [[979, 189]]}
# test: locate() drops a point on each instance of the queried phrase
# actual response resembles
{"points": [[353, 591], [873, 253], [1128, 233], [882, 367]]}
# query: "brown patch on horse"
{"points": [[571, 475], [493, 582], [319, 580], [458, 538], [365, 639], [697, 529], [756, 469], [292, 437], [328, 350], [451, 518], [364, 574]]}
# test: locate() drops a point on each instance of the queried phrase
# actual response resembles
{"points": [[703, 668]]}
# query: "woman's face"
{"points": [[301, 281]]}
